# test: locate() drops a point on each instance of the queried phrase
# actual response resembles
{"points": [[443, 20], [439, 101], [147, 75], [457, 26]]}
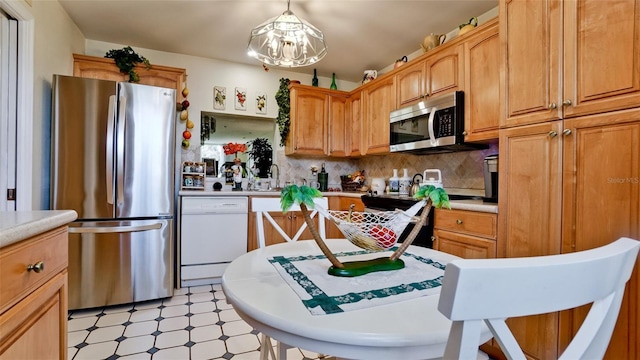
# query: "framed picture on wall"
{"points": [[241, 98], [219, 97], [261, 102]]}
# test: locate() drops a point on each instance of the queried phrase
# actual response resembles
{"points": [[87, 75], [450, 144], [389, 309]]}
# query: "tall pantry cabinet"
{"points": [[570, 147]]}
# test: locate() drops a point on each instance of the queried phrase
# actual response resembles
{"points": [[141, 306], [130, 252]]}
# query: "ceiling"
{"points": [[359, 34]]}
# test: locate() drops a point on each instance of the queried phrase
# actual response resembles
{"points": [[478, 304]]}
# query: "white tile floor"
{"points": [[196, 323]]}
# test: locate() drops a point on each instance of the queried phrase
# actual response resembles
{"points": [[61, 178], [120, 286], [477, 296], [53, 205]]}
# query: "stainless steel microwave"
{"points": [[431, 126]]}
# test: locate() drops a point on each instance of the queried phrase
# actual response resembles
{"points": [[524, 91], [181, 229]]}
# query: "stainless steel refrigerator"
{"points": [[113, 149]]}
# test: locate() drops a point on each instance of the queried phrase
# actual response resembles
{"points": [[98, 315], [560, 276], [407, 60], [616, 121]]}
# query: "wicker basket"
{"points": [[348, 185]]}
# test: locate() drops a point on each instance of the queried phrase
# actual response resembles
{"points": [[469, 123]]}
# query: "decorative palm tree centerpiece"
{"points": [[370, 231]]}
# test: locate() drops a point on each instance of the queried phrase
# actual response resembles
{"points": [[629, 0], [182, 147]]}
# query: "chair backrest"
{"points": [[492, 290], [262, 207]]}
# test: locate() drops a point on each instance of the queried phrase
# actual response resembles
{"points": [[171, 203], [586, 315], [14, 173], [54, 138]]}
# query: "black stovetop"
{"points": [[402, 202]]}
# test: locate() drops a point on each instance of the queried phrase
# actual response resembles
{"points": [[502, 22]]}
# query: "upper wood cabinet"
{"points": [[379, 100], [438, 73], [319, 122], [309, 121], [339, 126], [411, 83], [568, 58], [106, 69], [482, 83], [444, 71], [354, 124]]}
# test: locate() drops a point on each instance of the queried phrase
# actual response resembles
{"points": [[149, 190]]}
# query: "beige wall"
{"points": [[56, 37]]}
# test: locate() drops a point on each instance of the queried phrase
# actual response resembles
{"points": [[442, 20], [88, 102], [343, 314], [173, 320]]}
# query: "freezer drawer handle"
{"points": [[114, 229]]}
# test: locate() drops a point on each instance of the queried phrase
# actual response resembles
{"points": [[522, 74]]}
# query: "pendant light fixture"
{"points": [[287, 41]]}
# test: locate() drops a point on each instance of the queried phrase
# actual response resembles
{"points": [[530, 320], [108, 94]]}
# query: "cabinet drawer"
{"points": [[467, 222], [345, 202], [50, 248]]}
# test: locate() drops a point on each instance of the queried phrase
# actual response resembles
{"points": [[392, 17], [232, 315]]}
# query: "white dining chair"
{"points": [[261, 207], [492, 290]]}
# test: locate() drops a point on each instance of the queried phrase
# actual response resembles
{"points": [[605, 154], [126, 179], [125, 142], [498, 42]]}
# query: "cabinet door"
{"points": [[529, 223], [411, 83], [36, 327], [339, 130], [309, 120], [482, 84], [602, 203], [530, 34], [444, 71], [380, 99], [464, 246], [601, 56], [354, 124]]}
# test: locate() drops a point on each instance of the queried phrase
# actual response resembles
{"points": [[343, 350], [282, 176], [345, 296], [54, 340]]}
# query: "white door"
{"points": [[8, 112]]}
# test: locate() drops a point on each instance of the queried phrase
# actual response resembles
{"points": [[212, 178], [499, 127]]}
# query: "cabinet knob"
{"points": [[458, 221], [566, 132], [567, 102], [552, 106], [433, 238], [553, 133], [38, 267], [464, 133]]}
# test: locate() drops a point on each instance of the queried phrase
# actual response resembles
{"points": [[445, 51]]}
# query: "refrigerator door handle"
{"points": [[113, 229], [122, 106], [111, 119]]}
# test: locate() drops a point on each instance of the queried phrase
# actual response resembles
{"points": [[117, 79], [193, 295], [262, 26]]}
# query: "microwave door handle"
{"points": [[109, 150], [432, 132], [122, 105]]}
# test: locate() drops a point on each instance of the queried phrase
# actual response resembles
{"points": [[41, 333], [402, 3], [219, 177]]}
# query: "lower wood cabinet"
{"points": [[342, 203], [467, 234], [33, 303]]}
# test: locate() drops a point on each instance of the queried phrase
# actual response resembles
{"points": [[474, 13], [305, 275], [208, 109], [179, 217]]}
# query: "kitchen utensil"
{"points": [[377, 185], [432, 40], [415, 184], [464, 28], [430, 180]]}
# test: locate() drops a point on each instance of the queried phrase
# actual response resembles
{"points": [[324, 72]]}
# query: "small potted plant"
{"points": [[261, 151]]}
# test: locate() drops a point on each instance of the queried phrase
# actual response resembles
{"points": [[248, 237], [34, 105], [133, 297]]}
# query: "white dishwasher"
{"points": [[213, 232]]}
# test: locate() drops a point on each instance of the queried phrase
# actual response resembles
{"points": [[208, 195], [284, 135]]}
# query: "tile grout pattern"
{"points": [[196, 323]]}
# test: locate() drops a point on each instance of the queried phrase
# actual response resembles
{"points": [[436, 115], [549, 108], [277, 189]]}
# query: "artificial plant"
{"points": [[126, 60], [284, 107]]}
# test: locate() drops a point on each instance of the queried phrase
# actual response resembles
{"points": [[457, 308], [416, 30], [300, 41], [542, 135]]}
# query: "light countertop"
{"points": [[19, 225], [469, 205], [260, 193]]}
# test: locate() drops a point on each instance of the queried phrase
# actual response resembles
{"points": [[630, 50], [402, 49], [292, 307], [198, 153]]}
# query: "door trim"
{"points": [[24, 110]]}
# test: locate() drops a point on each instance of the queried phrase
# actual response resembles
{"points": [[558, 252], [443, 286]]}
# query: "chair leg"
{"points": [[282, 351], [266, 348]]}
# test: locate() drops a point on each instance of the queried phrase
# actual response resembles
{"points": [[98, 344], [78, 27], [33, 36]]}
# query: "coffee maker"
{"points": [[491, 178]]}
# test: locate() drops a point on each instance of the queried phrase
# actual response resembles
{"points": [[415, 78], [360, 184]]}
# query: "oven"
{"points": [[374, 203]]}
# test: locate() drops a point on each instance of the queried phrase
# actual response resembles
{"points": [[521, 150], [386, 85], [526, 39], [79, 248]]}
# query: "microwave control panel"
{"points": [[445, 126]]}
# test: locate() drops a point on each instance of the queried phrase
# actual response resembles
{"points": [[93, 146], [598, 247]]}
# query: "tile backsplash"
{"points": [[462, 170]]}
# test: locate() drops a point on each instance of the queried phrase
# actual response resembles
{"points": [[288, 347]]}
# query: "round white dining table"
{"points": [[409, 329]]}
